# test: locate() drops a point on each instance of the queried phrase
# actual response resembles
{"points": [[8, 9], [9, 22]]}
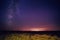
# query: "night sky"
{"points": [[29, 15]]}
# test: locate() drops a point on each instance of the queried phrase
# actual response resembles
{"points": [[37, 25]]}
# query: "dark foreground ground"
{"points": [[29, 35]]}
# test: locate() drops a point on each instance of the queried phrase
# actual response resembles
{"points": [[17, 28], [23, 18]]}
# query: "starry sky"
{"points": [[29, 15]]}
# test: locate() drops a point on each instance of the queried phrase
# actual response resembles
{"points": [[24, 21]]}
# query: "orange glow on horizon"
{"points": [[35, 29], [41, 28], [38, 29]]}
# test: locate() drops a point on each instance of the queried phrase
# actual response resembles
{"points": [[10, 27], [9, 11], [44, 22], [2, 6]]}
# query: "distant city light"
{"points": [[34, 29], [38, 29]]}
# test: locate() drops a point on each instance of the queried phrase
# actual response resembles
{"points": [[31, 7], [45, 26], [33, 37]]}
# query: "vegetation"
{"points": [[30, 37]]}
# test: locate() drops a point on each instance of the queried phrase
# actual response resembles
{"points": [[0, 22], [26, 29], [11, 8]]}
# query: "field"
{"points": [[29, 36]]}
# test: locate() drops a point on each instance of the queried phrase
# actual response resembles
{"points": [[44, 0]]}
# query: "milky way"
{"points": [[26, 15]]}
